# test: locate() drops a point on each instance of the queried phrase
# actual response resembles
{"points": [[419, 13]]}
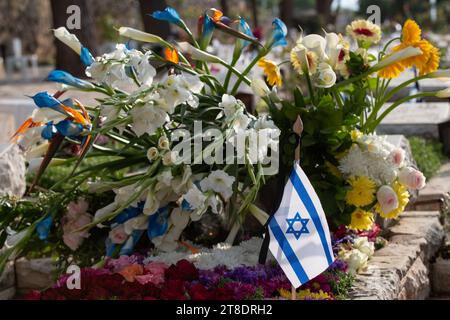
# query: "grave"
{"points": [[426, 119]]}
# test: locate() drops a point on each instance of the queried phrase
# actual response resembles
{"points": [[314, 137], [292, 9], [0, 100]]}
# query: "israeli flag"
{"points": [[299, 235]]}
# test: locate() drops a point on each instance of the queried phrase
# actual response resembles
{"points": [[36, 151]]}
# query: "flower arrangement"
{"points": [[130, 278], [169, 128]]}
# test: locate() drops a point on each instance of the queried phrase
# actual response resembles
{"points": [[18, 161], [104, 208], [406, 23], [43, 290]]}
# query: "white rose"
{"points": [[412, 178], [152, 153], [325, 77], [397, 156], [387, 198]]}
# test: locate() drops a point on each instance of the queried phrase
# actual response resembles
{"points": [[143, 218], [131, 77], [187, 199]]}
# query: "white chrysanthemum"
{"points": [[370, 157], [246, 253], [218, 181]]}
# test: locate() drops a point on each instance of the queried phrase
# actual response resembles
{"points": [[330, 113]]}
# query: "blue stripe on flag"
{"points": [[287, 250], [300, 188]]}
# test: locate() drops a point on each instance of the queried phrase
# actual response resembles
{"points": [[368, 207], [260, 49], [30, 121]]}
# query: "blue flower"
{"points": [[129, 245], [208, 29], [49, 131], [158, 223], [66, 78], [110, 247], [170, 15], [68, 128], [245, 29], [45, 100], [279, 33], [186, 206], [43, 227], [129, 213], [86, 57]]}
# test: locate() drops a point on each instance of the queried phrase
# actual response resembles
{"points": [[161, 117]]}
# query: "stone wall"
{"points": [[401, 270]]}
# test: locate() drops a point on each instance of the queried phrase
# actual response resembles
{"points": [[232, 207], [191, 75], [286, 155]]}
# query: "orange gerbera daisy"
{"points": [[271, 71], [426, 62]]}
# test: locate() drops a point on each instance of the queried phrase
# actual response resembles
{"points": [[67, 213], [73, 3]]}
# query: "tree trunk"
{"points": [[323, 8], [160, 28], [255, 13], [224, 7], [66, 59], [286, 12]]}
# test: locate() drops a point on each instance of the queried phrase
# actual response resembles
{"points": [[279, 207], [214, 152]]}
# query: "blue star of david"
{"points": [[303, 229]]}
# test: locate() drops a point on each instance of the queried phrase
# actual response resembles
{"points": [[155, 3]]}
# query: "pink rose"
{"points": [[412, 178], [69, 224], [156, 279], [397, 156], [76, 208], [387, 198], [118, 235]]}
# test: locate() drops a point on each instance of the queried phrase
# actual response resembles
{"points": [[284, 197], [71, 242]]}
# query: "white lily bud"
{"points": [[259, 87], [140, 35], [398, 56], [198, 54], [445, 93], [69, 39]]}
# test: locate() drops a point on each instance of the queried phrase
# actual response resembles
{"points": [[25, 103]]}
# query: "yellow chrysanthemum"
{"points": [[361, 220], [426, 62], [356, 134], [362, 192], [306, 294], [364, 30], [403, 199], [271, 71]]}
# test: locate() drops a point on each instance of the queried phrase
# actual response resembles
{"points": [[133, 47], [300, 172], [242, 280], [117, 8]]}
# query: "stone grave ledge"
{"points": [[401, 269]]}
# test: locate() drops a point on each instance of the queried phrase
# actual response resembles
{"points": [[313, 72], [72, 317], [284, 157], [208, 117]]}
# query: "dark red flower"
{"points": [[173, 290], [223, 294], [183, 270], [32, 295], [199, 292]]}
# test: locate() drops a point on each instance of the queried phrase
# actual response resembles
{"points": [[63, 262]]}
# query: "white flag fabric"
{"points": [[299, 236]]}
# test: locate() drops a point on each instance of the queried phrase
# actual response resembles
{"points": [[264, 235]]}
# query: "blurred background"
{"points": [[26, 37]]}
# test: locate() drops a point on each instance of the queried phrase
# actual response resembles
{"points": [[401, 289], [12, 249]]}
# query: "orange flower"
{"points": [[131, 271], [171, 55], [426, 62], [271, 71]]}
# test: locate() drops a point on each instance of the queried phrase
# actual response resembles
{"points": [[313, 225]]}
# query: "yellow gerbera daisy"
{"points": [[426, 62], [271, 71], [361, 220], [362, 192], [403, 199]]}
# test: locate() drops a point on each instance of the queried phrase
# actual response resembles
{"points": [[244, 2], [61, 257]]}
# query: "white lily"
{"points": [[445, 93]]}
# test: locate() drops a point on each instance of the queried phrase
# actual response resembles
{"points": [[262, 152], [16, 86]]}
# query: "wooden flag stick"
{"points": [[298, 129]]}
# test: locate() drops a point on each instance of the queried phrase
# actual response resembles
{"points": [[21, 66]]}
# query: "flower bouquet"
{"points": [[181, 148]]}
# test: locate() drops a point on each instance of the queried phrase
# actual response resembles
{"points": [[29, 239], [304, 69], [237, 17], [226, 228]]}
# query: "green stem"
{"points": [[376, 122], [260, 54]]}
